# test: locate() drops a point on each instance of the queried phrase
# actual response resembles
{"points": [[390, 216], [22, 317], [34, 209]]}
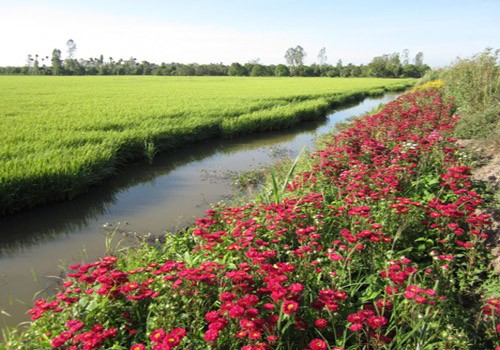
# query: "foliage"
{"points": [[431, 75], [382, 67], [322, 57], [281, 71], [377, 245], [61, 134], [237, 69], [475, 83], [294, 56], [391, 66]]}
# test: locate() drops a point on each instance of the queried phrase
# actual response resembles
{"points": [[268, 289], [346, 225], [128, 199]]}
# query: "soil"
{"points": [[486, 171]]}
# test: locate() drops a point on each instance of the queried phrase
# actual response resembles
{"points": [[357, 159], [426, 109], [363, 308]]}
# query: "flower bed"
{"points": [[379, 245]]}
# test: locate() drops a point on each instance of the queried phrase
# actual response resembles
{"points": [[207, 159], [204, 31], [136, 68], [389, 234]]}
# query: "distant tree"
{"points": [[36, 66], [71, 48], [419, 59], [322, 58], [390, 66], [332, 72], [29, 61], [186, 69], [411, 71], [346, 71], [281, 71], [356, 71], [258, 70], [72, 67], [339, 65], [325, 70], [378, 66], [290, 56], [236, 69], [315, 70], [394, 67], [295, 56], [405, 56], [56, 62]]}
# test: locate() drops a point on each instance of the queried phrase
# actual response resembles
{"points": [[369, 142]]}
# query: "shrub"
{"points": [[475, 83]]}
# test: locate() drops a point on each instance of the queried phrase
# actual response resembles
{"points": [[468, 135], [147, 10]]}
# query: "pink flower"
{"points": [[157, 335], [211, 335], [321, 323], [290, 306], [356, 327], [377, 321], [318, 344]]}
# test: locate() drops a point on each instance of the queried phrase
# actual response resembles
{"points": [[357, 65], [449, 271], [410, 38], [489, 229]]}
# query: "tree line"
{"points": [[393, 65]]}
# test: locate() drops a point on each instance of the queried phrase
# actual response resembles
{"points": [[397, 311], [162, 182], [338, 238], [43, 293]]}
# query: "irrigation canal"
{"points": [[142, 198]]}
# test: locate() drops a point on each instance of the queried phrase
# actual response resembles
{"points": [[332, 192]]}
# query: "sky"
{"points": [[213, 31]]}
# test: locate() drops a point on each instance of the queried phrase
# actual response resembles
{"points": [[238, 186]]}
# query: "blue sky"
{"points": [[206, 31]]}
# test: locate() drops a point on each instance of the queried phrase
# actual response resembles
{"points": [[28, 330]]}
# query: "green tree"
{"points": [[281, 71], [36, 66], [186, 70], [236, 69], [71, 48], [411, 71], [56, 62], [394, 67], [405, 57], [419, 59], [322, 57], [259, 70], [378, 66], [294, 56]]}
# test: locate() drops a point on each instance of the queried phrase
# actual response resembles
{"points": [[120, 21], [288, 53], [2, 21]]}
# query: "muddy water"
{"points": [[142, 198]]}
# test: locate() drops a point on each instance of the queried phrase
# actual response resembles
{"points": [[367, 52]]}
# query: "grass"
{"points": [[62, 134]]}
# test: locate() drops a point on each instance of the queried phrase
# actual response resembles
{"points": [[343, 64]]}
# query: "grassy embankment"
{"points": [[377, 243], [62, 134]]}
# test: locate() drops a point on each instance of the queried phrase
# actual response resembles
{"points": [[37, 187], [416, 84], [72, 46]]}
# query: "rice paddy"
{"points": [[61, 134]]}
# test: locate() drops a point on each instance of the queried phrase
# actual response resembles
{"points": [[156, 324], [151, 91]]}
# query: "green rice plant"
{"points": [[61, 135], [150, 151]]}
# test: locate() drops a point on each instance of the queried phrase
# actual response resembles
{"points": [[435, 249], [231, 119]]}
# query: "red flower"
{"points": [[321, 323], [356, 327], [139, 346], [377, 321], [318, 344], [211, 335], [254, 335], [157, 335], [236, 311], [290, 306]]}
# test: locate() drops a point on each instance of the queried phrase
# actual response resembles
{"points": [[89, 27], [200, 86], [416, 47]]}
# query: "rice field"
{"points": [[61, 134]]}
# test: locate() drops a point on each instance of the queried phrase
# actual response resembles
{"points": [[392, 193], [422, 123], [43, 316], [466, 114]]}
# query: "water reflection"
{"points": [[43, 224]]}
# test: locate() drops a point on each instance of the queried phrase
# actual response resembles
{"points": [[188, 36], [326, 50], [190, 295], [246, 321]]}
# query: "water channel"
{"points": [[143, 198]]}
